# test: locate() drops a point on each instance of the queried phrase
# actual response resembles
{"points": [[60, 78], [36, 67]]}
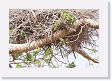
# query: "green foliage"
{"points": [[29, 57], [37, 62], [10, 29], [94, 50], [36, 51], [48, 51], [47, 54], [67, 17], [18, 66], [71, 65], [55, 25], [15, 56]]}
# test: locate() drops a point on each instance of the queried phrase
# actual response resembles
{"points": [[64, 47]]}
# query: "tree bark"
{"points": [[20, 48]]}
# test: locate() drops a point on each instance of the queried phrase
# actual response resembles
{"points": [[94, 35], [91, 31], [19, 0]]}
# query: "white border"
{"points": [[101, 71]]}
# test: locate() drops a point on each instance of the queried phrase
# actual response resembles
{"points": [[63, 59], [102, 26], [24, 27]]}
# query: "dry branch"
{"points": [[20, 48], [81, 52]]}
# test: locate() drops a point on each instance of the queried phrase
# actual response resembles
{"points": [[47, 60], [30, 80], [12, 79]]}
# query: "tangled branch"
{"points": [[49, 37], [20, 48]]}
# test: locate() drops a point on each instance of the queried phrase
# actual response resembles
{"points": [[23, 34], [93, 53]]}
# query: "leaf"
{"points": [[29, 57], [36, 51], [17, 55], [37, 62], [10, 30], [18, 66], [71, 65], [48, 51], [94, 50], [55, 25], [67, 17]]}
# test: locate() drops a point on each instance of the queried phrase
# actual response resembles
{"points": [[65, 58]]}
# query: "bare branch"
{"points": [[83, 53]]}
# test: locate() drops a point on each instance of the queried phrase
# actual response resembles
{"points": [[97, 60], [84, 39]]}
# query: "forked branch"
{"points": [[20, 48]]}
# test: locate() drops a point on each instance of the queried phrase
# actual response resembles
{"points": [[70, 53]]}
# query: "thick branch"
{"points": [[20, 48], [81, 52]]}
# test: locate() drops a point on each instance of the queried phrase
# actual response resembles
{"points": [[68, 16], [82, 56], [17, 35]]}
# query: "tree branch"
{"points": [[81, 52], [20, 48]]}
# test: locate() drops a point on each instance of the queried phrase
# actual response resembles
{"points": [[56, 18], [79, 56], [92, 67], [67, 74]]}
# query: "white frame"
{"points": [[101, 71]]}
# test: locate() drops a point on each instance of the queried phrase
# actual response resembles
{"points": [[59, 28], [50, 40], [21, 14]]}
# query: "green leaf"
{"points": [[36, 51], [67, 17], [10, 30], [71, 65], [15, 56], [29, 57], [18, 66], [94, 51], [37, 62], [48, 51], [55, 25]]}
